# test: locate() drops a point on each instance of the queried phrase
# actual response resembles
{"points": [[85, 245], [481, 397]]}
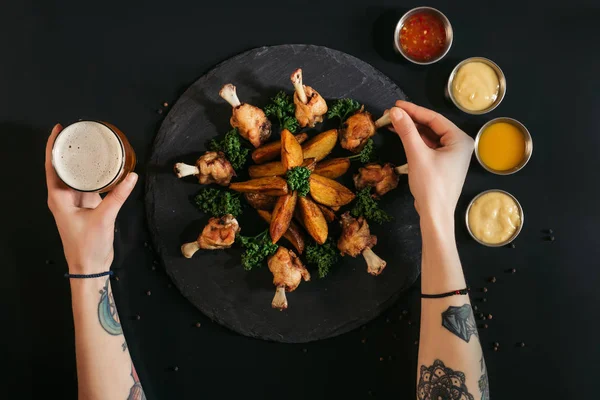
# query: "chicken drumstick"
{"points": [[251, 121], [310, 106], [356, 239], [381, 178], [212, 167], [288, 272], [219, 233], [358, 128]]}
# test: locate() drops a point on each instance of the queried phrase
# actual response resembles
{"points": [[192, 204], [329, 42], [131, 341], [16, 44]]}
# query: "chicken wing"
{"points": [[219, 233], [381, 178], [212, 167], [288, 272], [356, 239], [251, 121], [357, 129], [310, 106]]}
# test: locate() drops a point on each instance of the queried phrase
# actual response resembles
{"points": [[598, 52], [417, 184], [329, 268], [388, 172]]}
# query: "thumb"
{"points": [[112, 203], [406, 129]]}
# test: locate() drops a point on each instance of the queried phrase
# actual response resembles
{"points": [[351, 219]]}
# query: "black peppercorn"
{"points": [[304, 350], [198, 324], [550, 231], [493, 279], [380, 358], [409, 322], [475, 308], [485, 326], [159, 111], [404, 312], [513, 271], [387, 320], [512, 245], [148, 293], [165, 104], [416, 342], [363, 341], [522, 344], [116, 278], [490, 316], [145, 244], [48, 262], [495, 349], [484, 290], [551, 238], [175, 368], [138, 317], [496, 344]]}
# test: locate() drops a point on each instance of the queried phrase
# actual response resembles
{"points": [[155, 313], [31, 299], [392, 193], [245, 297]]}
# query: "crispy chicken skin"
{"points": [[355, 236], [356, 130], [251, 122], [212, 167], [381, 178], [356, 239], [310, 106], [219, 233], [288, 272]]}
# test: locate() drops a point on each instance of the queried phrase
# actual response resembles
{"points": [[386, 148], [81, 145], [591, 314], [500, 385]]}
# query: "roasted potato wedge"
{"points": [[272, 186], [313, 220], [327, 213], [321, 145], [329, 192], [293, 234], [260, 201], [282, 215], [275, 168], [291, 151], [271, 151], [333, 168]]}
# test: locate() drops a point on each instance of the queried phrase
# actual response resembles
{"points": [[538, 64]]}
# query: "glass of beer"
{"points": [[92, 156]]}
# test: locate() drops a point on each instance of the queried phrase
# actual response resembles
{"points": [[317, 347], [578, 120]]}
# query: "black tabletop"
{"points": [[121, 62]]}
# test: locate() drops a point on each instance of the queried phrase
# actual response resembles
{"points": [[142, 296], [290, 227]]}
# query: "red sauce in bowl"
{"points": [[423, 36]]}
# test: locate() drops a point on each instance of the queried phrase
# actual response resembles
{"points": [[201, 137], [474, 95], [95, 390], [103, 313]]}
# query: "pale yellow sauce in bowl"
{"points": [[494, 218]]}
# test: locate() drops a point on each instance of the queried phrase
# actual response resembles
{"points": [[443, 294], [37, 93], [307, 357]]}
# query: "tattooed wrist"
{"points": [[440, 382], [460, 321]]}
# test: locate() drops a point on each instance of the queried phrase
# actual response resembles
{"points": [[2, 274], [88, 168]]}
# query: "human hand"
{"points": [[86, 222], [438, 155]]}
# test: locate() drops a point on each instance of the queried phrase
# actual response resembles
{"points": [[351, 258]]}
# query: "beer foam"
{"points": [[87, 155]]}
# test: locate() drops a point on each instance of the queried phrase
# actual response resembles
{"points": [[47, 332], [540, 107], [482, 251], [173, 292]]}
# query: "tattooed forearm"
{"points": [[107, 311], [136, 392], [460, 321], [484, 386], [440, 382]]}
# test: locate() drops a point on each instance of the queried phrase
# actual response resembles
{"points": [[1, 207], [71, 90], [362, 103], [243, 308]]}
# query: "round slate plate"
{"points": [[214, 281]]}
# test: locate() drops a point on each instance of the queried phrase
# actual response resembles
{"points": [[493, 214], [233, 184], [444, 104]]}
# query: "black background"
{"points": [[119, 63]]}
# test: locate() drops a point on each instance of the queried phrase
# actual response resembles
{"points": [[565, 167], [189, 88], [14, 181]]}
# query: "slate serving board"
{"points": [[214, 281]]}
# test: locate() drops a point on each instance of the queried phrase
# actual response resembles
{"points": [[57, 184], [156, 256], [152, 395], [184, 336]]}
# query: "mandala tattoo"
{"points": [[439, 382], [460, 321], [484, 386]]}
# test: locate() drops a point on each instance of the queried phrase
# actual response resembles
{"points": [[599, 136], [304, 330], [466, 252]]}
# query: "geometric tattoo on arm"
{"points": [[460, 321], [136, 392], [440, 382], [484, 386], [107, 312]]}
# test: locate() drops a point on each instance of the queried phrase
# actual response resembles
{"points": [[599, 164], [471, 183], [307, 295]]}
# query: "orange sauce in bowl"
{"points": [[501, 146]]}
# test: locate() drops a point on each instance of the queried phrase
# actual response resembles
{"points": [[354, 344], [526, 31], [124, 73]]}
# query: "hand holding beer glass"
{"points": [[82, 160]]}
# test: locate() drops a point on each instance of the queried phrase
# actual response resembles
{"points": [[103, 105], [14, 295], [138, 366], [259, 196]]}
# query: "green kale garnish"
{"points": [[231, 146], [297, 179], [256, 249], [342, 109], [324, 256], [367, 154], [365, 205], [282, 107], [218, 202]]}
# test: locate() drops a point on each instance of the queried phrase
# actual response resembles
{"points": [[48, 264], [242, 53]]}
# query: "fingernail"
{"points": [[131, 178], [396, 113]]}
